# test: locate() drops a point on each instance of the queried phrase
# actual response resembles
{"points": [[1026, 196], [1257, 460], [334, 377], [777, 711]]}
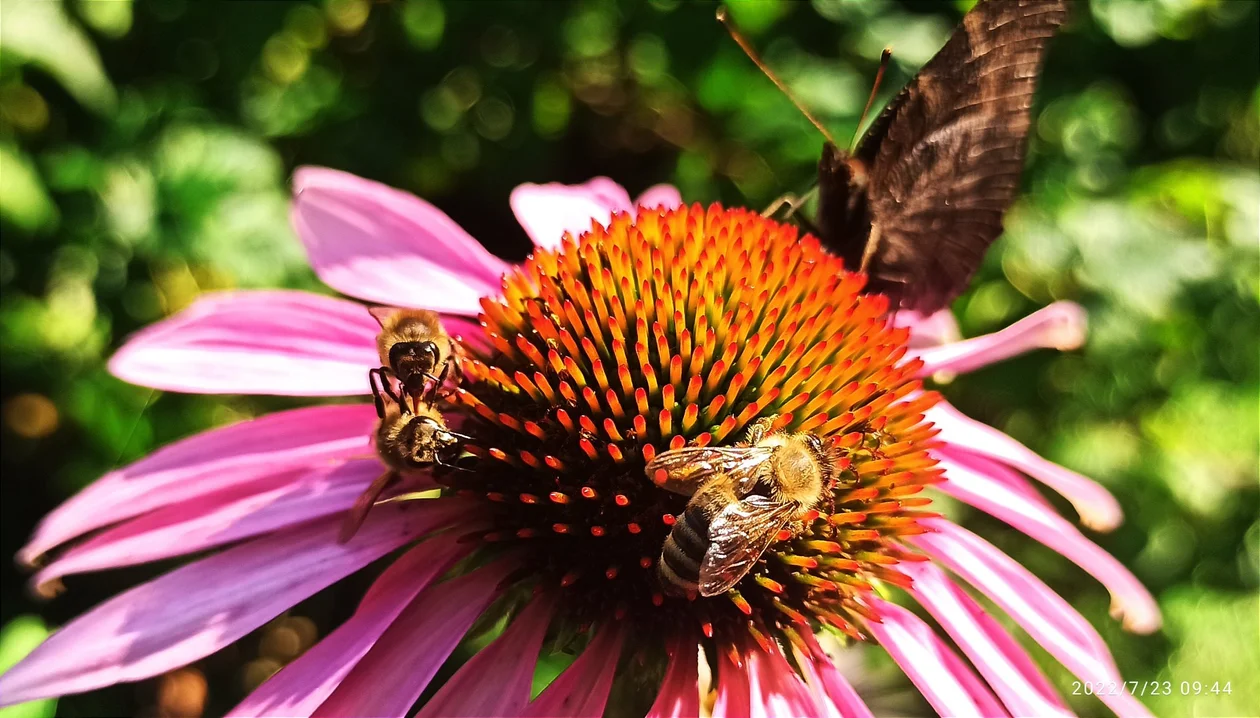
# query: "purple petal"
{"points": [[930, 331], [821, 673], [396, 670], [734, 694], [679, 696], [970, 480], [300, 687], [1050, 620], [509, 661], [220, 518], [469, 331], [940, 675], [195, 610], [582, 690], [548, 211], [660, 197], [242, 453], [255, 342], [1097, 508], [387, 246], [1058, 326], [1003, 663], [776, 690]]}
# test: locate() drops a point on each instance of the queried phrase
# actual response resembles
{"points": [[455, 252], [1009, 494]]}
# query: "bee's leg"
{"points": [[362, 505], [374, 375], [388, 387], [758, 429]]}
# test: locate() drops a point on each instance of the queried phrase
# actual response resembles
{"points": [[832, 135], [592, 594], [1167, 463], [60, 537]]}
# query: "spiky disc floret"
{"points": [[682, 328]]}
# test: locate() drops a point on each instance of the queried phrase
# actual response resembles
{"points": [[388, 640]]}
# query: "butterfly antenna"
{"points": [[744, 45], [879, 77]]}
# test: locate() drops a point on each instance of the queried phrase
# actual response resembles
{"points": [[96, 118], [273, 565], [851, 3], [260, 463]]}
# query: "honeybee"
{"points": [[741, 498], [405, 441], [412, 346]]}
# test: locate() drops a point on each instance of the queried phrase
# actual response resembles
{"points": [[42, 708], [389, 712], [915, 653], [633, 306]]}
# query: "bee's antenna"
{"points": [[744, 45], [870, 100]]}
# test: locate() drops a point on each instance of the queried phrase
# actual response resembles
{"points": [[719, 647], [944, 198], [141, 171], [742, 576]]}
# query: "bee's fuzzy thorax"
{"points": [[683, 328]]}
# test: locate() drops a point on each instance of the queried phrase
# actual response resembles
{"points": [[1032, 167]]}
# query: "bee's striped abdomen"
{"points": [[684, 549]]}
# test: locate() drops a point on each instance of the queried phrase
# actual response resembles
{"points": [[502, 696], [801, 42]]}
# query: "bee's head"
{"points": [[413, 363]]}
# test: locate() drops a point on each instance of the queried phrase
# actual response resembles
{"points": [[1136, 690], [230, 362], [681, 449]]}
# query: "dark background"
{"points": [[145, 151]]}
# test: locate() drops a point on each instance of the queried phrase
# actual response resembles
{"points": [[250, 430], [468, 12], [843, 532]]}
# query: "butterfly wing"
{"points": [[940, 166], [737, 538]]}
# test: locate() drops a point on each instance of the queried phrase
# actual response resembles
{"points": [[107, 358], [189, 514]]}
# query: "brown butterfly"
{"points": [[919, 202]]}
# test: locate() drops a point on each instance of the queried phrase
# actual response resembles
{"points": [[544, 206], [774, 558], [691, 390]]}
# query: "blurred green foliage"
{"points": [[144, 157]]}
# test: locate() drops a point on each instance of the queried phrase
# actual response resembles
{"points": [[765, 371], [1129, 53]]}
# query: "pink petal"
{"points": [[970, 480], [255, 342], [396, 670], [1097, 508], [582, 690], [195, 610], [1050, 620], [241, 453], [1003, 663], [940, 675], [547, 211], [679, 696], [776, 690], [220, 518], [468, 331], [1058, 326], [299, 688], [821, 673], [509, 661], [932, 330], [661, 196], [383, 245], [734, 694]]}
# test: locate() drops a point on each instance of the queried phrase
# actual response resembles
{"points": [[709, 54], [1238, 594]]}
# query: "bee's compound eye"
{"points": [[429, 350], [399, 352]]}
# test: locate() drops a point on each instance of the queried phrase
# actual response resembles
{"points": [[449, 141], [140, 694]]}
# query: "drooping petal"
{"points": [[822, 673], [969, 481], [215, 460], [1058, 326], [509, 662], [933, 330], [661, 196], [384, 245], [1050, 620], [734, 694], [679, 696], [298, 689], [255, 342], [547, 211], [199, 608], [226, 516], [940, 675], [776, 690], [1097, 508], [582, 690], [396, 670], [1004, 664]]}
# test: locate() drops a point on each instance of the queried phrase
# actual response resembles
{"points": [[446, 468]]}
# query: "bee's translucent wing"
{"points": [[689, 468], [737, 538]]}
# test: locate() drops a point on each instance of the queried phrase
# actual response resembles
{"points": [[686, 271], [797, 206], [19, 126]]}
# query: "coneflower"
{"points": [[656, 327]]}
